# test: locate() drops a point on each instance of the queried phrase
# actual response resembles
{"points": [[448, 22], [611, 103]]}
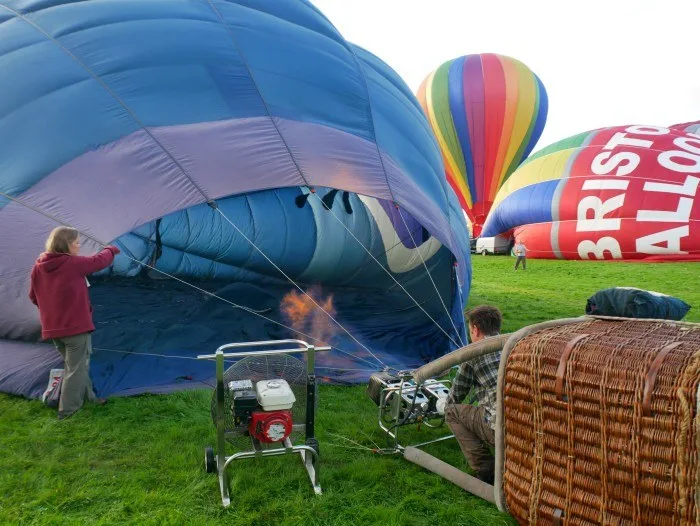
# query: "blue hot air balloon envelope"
{"points": [[237, 151]]}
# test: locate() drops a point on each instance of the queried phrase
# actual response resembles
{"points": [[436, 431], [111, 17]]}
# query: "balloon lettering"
{"points": [[600, 208], [647, 130], [621, 139], [624, 163], [600, 167], [604, 244], [623, 192], [650, 244]]}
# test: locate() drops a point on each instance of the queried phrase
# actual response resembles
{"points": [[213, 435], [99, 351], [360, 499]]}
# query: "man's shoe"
{"points": [[486, 477], [63, 416]]}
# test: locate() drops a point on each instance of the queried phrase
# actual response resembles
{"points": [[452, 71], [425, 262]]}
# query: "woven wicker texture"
{"points": [[580, 446]]}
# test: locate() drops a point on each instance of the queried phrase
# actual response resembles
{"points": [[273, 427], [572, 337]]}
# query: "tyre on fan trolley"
{"points": [[254, 407]]}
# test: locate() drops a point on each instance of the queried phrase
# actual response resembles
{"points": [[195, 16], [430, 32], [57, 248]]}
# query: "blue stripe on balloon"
{"points": [[458, 111], [541, 117], [532, 204]]}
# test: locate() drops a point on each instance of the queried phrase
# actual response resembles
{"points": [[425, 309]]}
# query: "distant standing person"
{"points": [[520, 254], [59, 288]]}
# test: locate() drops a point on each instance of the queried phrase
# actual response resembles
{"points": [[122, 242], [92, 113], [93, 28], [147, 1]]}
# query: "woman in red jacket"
{"points": [[59, 288]]}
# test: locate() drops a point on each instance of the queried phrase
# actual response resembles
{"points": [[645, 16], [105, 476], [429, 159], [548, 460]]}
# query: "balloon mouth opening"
{"points": [[156, 320], [242, 226], [187, 297]]}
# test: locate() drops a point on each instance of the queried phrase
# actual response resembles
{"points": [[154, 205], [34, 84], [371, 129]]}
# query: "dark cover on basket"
{"points": [[628, 302]]}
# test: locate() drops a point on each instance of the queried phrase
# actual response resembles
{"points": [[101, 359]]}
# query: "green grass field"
{"points": [[139, 460]]}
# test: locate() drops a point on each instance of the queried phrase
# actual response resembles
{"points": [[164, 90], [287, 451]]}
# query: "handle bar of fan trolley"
{"points": [[306, 348]]}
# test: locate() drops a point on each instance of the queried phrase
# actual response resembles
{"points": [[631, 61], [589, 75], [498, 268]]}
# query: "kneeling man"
{"points": [[474, 426]]}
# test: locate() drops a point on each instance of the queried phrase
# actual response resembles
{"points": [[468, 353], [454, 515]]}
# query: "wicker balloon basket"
{"points": [[599, 423]]}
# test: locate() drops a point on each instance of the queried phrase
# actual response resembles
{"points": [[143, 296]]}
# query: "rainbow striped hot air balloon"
{"points": [[487, 112]]}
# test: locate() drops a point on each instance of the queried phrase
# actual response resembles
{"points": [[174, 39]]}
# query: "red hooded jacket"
{"points": [[59, 289]]}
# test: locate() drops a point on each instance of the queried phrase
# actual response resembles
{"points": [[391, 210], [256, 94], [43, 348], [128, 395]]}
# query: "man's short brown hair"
{"points": [[485, 318]]}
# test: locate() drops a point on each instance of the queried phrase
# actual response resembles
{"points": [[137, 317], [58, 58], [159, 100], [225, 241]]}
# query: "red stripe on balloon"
{"points": [[494, 111]]}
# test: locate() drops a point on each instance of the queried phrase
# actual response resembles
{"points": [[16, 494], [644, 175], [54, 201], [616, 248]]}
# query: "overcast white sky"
{"points": [[603, 62]]}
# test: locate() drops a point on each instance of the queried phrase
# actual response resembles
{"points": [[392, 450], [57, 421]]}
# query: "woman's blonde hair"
{"points": [[60, 239]]}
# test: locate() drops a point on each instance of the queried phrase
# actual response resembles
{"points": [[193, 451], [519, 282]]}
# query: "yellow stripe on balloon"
{"points": [[542, 169], [527, 98], [447, 155], [512, 93]]}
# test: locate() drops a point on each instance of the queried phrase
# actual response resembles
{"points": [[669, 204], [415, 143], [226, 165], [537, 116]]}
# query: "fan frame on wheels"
{"points": [[308, 451]]}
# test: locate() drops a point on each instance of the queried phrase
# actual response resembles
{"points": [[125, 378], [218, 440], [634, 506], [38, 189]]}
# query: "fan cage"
{"points": [[256, 368]]}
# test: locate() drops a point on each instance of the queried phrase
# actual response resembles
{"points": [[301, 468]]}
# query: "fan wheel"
{"points": [[209, 460]]}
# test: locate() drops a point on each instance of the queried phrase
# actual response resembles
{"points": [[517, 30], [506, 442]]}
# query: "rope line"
{"points": [[459, 336], [243, 307], [459, 287], [178, 357], [298, 287], [388, 273], [298, 168]]}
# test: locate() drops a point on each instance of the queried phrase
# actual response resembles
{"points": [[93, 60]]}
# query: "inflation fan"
{"points": [[264, 405]]}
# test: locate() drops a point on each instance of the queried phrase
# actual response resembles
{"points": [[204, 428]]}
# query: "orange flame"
{"points": [[306, 317]]}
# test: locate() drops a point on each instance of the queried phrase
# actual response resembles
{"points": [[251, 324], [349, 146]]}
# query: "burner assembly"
{"points": [[402, 402]]}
